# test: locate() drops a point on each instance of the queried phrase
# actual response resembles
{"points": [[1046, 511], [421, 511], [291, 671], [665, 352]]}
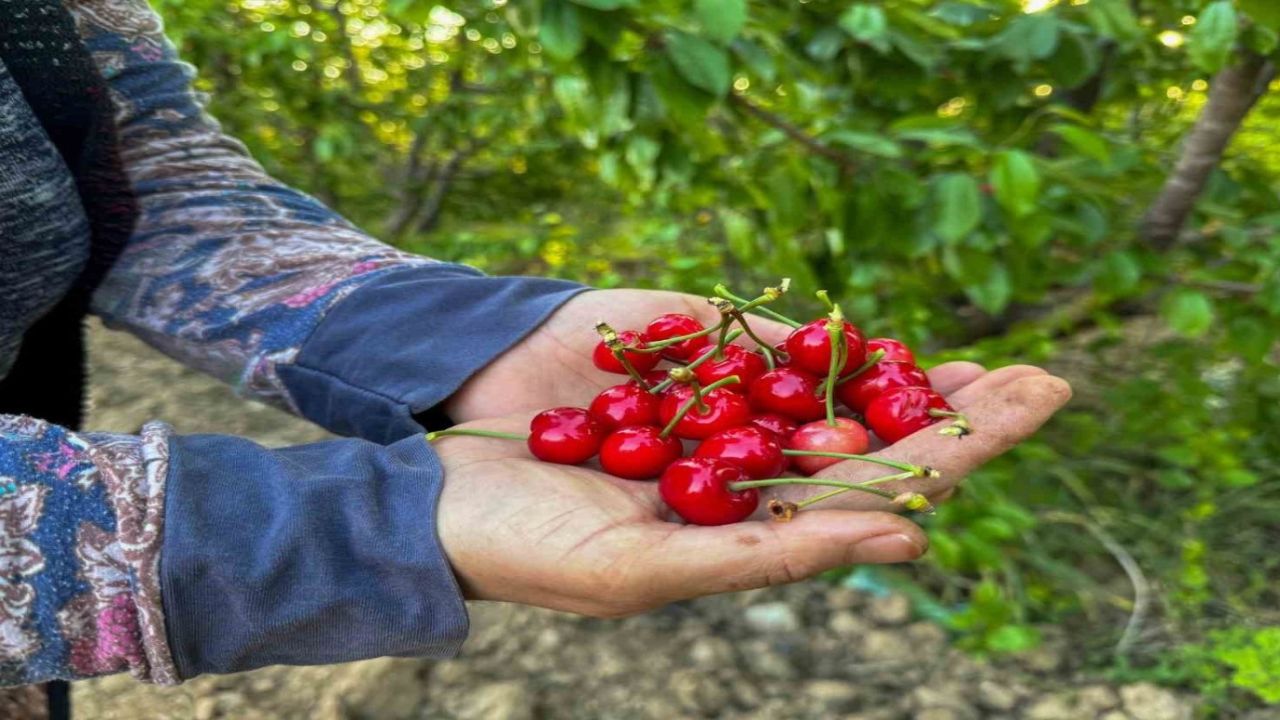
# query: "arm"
{"points": [[234, 273], [313, 554]]}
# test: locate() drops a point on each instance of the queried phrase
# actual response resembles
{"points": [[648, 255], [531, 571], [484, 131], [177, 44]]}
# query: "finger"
{"points": [[1000, 420], [950, 377], [696, 561], [992, 381]]}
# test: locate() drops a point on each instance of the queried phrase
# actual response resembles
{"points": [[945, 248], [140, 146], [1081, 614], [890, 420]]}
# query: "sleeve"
{"points": [[314, 554], [235, 274]]}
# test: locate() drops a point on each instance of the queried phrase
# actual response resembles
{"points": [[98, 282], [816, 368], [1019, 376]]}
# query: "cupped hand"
{"points": [[574, 539]]}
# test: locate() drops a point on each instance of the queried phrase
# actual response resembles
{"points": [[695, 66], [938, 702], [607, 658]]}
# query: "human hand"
{"points": [[575, 539]]}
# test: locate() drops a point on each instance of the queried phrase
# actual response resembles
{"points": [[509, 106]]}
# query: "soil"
{"points": [[812, 650]]}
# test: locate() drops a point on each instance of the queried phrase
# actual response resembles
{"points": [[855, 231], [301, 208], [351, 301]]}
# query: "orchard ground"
{"points": [[807, 651]]}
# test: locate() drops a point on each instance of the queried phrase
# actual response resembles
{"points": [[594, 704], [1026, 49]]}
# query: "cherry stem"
{"points": [[835, 337], [660, 345], [764, 346], [915, 470], [467, 432], [724, 292], [826, 300], [662, 386], [839, 491], [621, 355], [696, 400], [844, 486], [960, 424], [872, 359]]}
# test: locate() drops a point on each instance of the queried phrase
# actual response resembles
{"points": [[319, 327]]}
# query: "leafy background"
{"points": [[987, 179]]}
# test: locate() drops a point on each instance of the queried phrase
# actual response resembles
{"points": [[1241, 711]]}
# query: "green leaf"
{"points": [[1085, 142], [1264, 12], [867, 24], [959, 206], [1189, 312], [993, 292], [684, 104], [721, 20], [1016, 182], [1115, 19], [1118, 274], [1028, 38], [870, 143], [1013, 638], [757, 60], [604, 4], [1075, 61], [1214, 36], [561, 30], [704, 64]]}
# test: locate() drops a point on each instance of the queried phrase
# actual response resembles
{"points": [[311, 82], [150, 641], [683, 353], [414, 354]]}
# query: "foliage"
{"points": [[970, 175]]}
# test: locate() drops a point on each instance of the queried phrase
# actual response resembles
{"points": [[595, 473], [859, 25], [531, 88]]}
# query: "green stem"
{"points": [[781, 482], [871, 361], [835, 338], [765, 348], [621, 355], [660, 345], [467, 432], [840, 491], [916, 470], [662, 386], [696, 400], [724, 292], [959, 426], [825, 299]]}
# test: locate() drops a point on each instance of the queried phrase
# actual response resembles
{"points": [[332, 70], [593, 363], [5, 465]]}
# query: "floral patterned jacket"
{"points": [[168, 556]]}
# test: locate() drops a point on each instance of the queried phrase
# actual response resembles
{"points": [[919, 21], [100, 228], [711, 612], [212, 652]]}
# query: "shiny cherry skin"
{"points": [[788, 392], [672, 325], [623, 405], [725, 410], [738, 361], [638, 452], [756, 451], [778, 425], [894, 350], [902, 411], [566, 436], [603, 357], [877, 380], [810, 347], [697, 489], [847, 436]]}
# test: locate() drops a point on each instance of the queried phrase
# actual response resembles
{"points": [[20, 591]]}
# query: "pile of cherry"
{"points": [[754, 414]]}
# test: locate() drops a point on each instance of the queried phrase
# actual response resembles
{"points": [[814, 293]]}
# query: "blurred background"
{"points": [[1091, 185]]}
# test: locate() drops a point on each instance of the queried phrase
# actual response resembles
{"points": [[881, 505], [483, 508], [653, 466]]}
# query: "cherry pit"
{"points": [[716, 421]]}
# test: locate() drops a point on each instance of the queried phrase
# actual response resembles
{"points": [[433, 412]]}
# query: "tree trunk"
{"points": [[1232, 95]]}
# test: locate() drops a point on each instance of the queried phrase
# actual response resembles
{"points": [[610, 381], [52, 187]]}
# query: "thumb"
{"points": [[700, 561]]}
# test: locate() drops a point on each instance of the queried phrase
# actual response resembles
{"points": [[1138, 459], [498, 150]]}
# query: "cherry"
{"points": [[847, 436], [725, 409], [672, 325], [697, 489], [738, 361], [565, 435], [894, 350], [754, 450], [902, 411], [776, 424], [878, 379], [810, 347], [638, 452], [623, 405], [790, 392], [651, 378], [604, 359]]}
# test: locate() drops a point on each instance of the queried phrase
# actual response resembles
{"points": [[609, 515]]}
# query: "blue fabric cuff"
{"points": [[315, 554], [401, 345]]}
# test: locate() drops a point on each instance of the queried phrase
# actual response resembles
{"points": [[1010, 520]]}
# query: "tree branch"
{"points": [[846, 162], [1232, 95]]}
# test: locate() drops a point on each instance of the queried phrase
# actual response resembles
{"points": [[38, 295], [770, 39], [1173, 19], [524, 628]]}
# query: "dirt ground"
{"points": [[807, 651]]}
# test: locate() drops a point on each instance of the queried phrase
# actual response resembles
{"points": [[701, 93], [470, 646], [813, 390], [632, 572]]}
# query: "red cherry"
{"points": [[603, 357], [697, 489], [754, 450], [638, 452], [776, 424], [810, 347], [902, 411], [789, 392], [672, 325], [566, 435], [738, 361], [724, 410], [623, 405], [894, 350], [848, 436], [877, 380], [780, 356]]}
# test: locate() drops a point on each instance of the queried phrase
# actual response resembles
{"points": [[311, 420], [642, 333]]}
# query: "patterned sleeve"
{"points": [[81, 521], [228, 270]]}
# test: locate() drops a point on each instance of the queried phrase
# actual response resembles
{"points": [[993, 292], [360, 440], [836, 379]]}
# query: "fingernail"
{"points": [[893, 548]]}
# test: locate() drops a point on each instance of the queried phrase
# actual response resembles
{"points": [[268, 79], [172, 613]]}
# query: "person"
{"points": [[168, 556]]}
